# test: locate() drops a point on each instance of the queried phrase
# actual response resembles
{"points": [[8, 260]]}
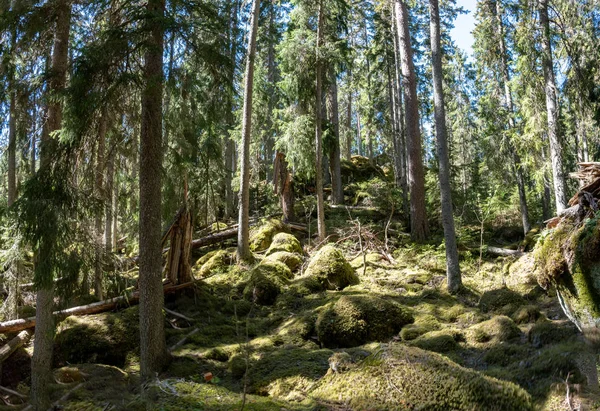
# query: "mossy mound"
{"points": [[501, 299], [285, 242], [356, 319], [331, 270], [107, 338], [218, 262], [275, 269], [546, 332], [422, 325], [262, 236], [292, 260], [262, 289], [496, 330], [439, 341], [526, 314], [402, 377]]}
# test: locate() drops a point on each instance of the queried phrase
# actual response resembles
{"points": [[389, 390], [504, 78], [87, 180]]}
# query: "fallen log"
{"points": [[503, 252], [94, 308], [21, 339]]}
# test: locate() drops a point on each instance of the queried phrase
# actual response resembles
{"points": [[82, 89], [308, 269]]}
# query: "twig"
{"points": [[11, 392], [183, 340], [176, 314], [67, 394]]}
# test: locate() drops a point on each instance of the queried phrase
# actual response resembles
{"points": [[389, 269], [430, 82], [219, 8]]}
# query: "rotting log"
{"points": [[503, 252], [94, 308], [21, 339]]}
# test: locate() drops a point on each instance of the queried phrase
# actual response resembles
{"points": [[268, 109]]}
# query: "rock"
{"points": [[401, 377], [292, 260], [331, 270], [439, 341], [262, 236], [285, 242], [356, 319], [218, 262], [496, 330]]}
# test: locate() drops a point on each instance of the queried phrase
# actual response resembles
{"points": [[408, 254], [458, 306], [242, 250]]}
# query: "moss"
{"points": [[331, 269], [452, 314], [217, 354], [217, 263], [546, 332], [298, 329], [498, 329], [105, 338], [371, 259], [504, 354], [549, 256], [401, 377], [354, 320], [530, 239], [261, 289], [423, 324], [526, 314], [292, 260], [285, 242], [439, 341], [275, 269], [262, 236], [237, 365], [498, 299]]}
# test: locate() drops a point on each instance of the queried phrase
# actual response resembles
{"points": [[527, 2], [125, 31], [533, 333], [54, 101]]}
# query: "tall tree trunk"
{"points": [[452, 265], [560, 193], [337, 191], [318, 127], [153, 349], [284, 186], [519, 172], [243, 248], [348, 152], [101, 193], [12, 122], [418, 218], [229, 142], [109, 200], [41, 362]]}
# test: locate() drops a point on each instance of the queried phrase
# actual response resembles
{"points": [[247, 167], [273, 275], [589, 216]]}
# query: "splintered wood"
{"points": [[585, 202]]}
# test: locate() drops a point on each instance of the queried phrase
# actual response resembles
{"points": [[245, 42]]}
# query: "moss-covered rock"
{"points": [[496, 330], [262, 289], [422, 325], [500, 299], [331, 270], [356, 319], [216, 262], [442, 341], [402, 377], [262, 236], [275, 269], [546, 332], [106, 338], [526, 314], [285, 242], [292, 260]]}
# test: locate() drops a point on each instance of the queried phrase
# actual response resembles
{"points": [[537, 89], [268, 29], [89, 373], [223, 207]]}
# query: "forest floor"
{"points": [[401, 342]]}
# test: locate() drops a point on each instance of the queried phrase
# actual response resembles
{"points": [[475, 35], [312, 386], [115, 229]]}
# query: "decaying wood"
{"points": [[94, 308], [21, 339], [503, 252], [178, 269]]}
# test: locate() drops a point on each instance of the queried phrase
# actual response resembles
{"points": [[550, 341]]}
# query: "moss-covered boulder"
{"points": [[401, 377], [546, 332], [526, 314], [216, 262], [106, 338], [443, 341], [292, 260], [262, 236], [496, 330], [422, 325], [356, 319], [569, 260], [285, 242], [502, 299], [266, 282], [331, 270]]}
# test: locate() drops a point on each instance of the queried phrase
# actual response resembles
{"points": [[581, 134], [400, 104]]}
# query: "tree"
{"points": [[12, 128], [318, 126], [337, 191], [153, 350], [243, 248], [560, 194], [419, 228], [452, 265], [41, 362]]}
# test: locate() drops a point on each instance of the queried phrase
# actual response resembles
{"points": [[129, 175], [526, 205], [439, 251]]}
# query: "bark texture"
{"points": [[243, 247], [284, 186], [560, 193], [337, 191], [153, 349], [452, 265], [419, 228], [318, 128]]}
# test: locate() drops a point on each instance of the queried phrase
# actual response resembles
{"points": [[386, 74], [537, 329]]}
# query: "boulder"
{"points": [[331, 270]]}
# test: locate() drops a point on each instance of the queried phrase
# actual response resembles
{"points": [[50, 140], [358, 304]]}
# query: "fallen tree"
{"points": [[94, 308], [22, 338]]}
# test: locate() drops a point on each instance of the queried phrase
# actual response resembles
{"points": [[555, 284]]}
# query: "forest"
{"points": [[299, 205]]}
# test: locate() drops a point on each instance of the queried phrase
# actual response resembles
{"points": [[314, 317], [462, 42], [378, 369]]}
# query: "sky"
{"points": [[464, 25]]}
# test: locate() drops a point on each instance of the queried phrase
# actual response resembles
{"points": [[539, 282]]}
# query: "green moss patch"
{"points": [[500, 299], [546, 332], [423, 324], [443, 341], [292, 260], [526, 314], [496, 330], [355, 319], [218, 263], [285, 242], [402, 377], [262, 236], [331, 270]]}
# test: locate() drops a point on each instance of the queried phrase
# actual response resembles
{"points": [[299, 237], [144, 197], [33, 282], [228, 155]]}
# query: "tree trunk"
{"points": [[109, 200], [153, 349], [560, 194], [229, 142], [418, 217], [337, 191], [12, 121], [348, 152], [41, 362], [284, 186], [243, 247], [318, 127], [519, 172], [101, 193], [452, 265]]}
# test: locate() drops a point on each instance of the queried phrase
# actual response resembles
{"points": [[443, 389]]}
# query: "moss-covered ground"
{"points": [[286, 333]]}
